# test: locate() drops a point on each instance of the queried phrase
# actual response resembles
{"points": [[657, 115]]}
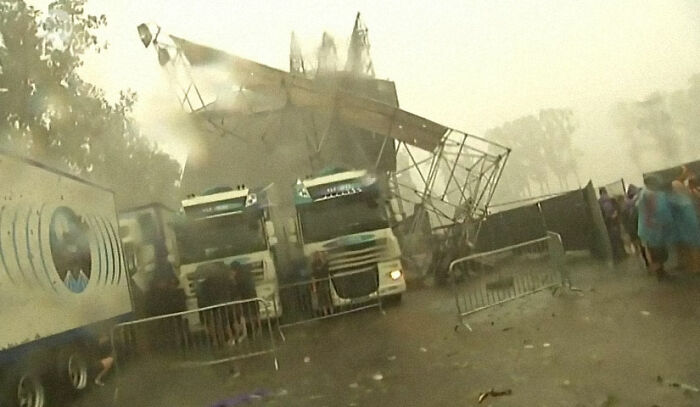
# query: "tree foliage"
{"points": [[664, 127], [542, 152], [48, 112]]}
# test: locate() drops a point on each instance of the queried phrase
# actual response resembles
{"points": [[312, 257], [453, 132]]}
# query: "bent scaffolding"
{"points": [[330, 117]]}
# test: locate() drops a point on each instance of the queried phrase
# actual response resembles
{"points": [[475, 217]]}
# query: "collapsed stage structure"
{"points": [[264, 125]]}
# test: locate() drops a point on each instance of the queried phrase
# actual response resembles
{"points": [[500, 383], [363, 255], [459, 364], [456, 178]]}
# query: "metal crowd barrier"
{"points": [[483, 280], [201, 337], [322, 298]]}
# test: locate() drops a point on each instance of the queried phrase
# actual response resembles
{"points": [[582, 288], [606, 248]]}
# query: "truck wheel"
{"points": [[72, 371], [25, 390]]}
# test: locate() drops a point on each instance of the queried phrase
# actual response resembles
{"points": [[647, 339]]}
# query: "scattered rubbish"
{"points": [[494, 393], [566, 382], [646, 313], [422, 349], [529, 346], [282, 393], [354, 385], [378, 376], [307, 359], [546, 345], [242, 399], [460, 365], [391, 358], [316, 397], [553, 315], [508, 328], [611, 401], [686, 387], [352, 404]]}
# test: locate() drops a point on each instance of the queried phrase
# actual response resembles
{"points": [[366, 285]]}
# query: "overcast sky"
{"points": [[467, 64]]}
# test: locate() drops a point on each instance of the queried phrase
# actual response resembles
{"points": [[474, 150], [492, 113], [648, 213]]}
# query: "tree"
{"points": [[48, 112], [541, 149], [662, 127]]}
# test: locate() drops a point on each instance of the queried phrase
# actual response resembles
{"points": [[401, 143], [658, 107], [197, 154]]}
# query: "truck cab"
{"points": [[228, 226], [345, 216]]}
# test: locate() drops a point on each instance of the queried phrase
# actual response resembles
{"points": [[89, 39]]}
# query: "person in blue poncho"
{"points": [[655, 224], [686, 222]]}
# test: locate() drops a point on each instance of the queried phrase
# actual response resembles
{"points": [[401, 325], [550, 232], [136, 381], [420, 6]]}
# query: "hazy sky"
{"points": [[467, 64]]}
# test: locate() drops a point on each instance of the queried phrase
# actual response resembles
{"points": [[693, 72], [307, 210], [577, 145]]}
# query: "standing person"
{"points": [[685, 221], [320, 283], [655, 224], [630, 219], [246, 312], [611, 216], [217, 288], [104, 359]]}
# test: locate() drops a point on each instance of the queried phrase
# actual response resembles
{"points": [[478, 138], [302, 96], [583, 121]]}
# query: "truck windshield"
{"points": [[223, 236], [328, 219]]}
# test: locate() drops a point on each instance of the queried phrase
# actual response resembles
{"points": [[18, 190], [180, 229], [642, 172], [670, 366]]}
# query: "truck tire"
{"points": [[24, 390], [72, 371]]}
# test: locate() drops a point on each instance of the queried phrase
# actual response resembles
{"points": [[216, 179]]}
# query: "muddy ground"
{"points": [[623, 340]]}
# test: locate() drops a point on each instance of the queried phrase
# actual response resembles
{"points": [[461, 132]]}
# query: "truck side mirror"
{"points": [[396, 210], [291, 230], [270, 231]]}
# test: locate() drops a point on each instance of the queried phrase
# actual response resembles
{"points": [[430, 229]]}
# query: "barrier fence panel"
{"points": [[486, 279], [338, 294], [201, 337]]}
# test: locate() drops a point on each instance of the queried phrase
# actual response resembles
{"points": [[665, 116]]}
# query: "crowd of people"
{"points": [[661, 216]]}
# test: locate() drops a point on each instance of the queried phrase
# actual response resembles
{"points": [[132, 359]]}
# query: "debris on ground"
{"points": [[646, 313], [610, 401], [494, 393], [529, 346], [422, 349], [508, 328], [377, 376], [242, 399], [546, 345], [684, 386], [391, 358], [354, 385], [307, 359]]}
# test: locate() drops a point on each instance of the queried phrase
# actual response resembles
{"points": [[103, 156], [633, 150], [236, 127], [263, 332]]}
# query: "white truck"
{"points": [[344, 216], [226, 225], [63, 281]]}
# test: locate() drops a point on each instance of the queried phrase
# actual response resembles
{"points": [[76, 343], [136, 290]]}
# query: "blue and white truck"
{"points": [[228, 225], [63, 281], [345, 216]]}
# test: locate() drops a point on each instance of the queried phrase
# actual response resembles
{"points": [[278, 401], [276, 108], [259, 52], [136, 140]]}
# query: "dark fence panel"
{"points": [[568, 216], [511, 227]]}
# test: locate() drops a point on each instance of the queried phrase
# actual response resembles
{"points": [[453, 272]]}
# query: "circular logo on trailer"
{"points": [[70, 248]]}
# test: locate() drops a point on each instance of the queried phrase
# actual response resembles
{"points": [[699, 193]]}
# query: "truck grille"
{"points": [[353, 268]]}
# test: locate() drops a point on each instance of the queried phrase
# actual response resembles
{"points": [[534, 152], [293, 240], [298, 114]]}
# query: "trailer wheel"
{"points": [[25, 390], [72, 370]]}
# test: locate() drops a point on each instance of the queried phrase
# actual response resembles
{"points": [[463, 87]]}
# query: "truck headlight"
{"points": [[395, 274]]}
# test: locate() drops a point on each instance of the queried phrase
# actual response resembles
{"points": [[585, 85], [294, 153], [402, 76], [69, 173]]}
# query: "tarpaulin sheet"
{"points": [[362, 112]]}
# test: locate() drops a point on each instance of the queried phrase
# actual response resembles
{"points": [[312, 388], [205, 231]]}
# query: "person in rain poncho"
{"points": [[655, 224]]}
